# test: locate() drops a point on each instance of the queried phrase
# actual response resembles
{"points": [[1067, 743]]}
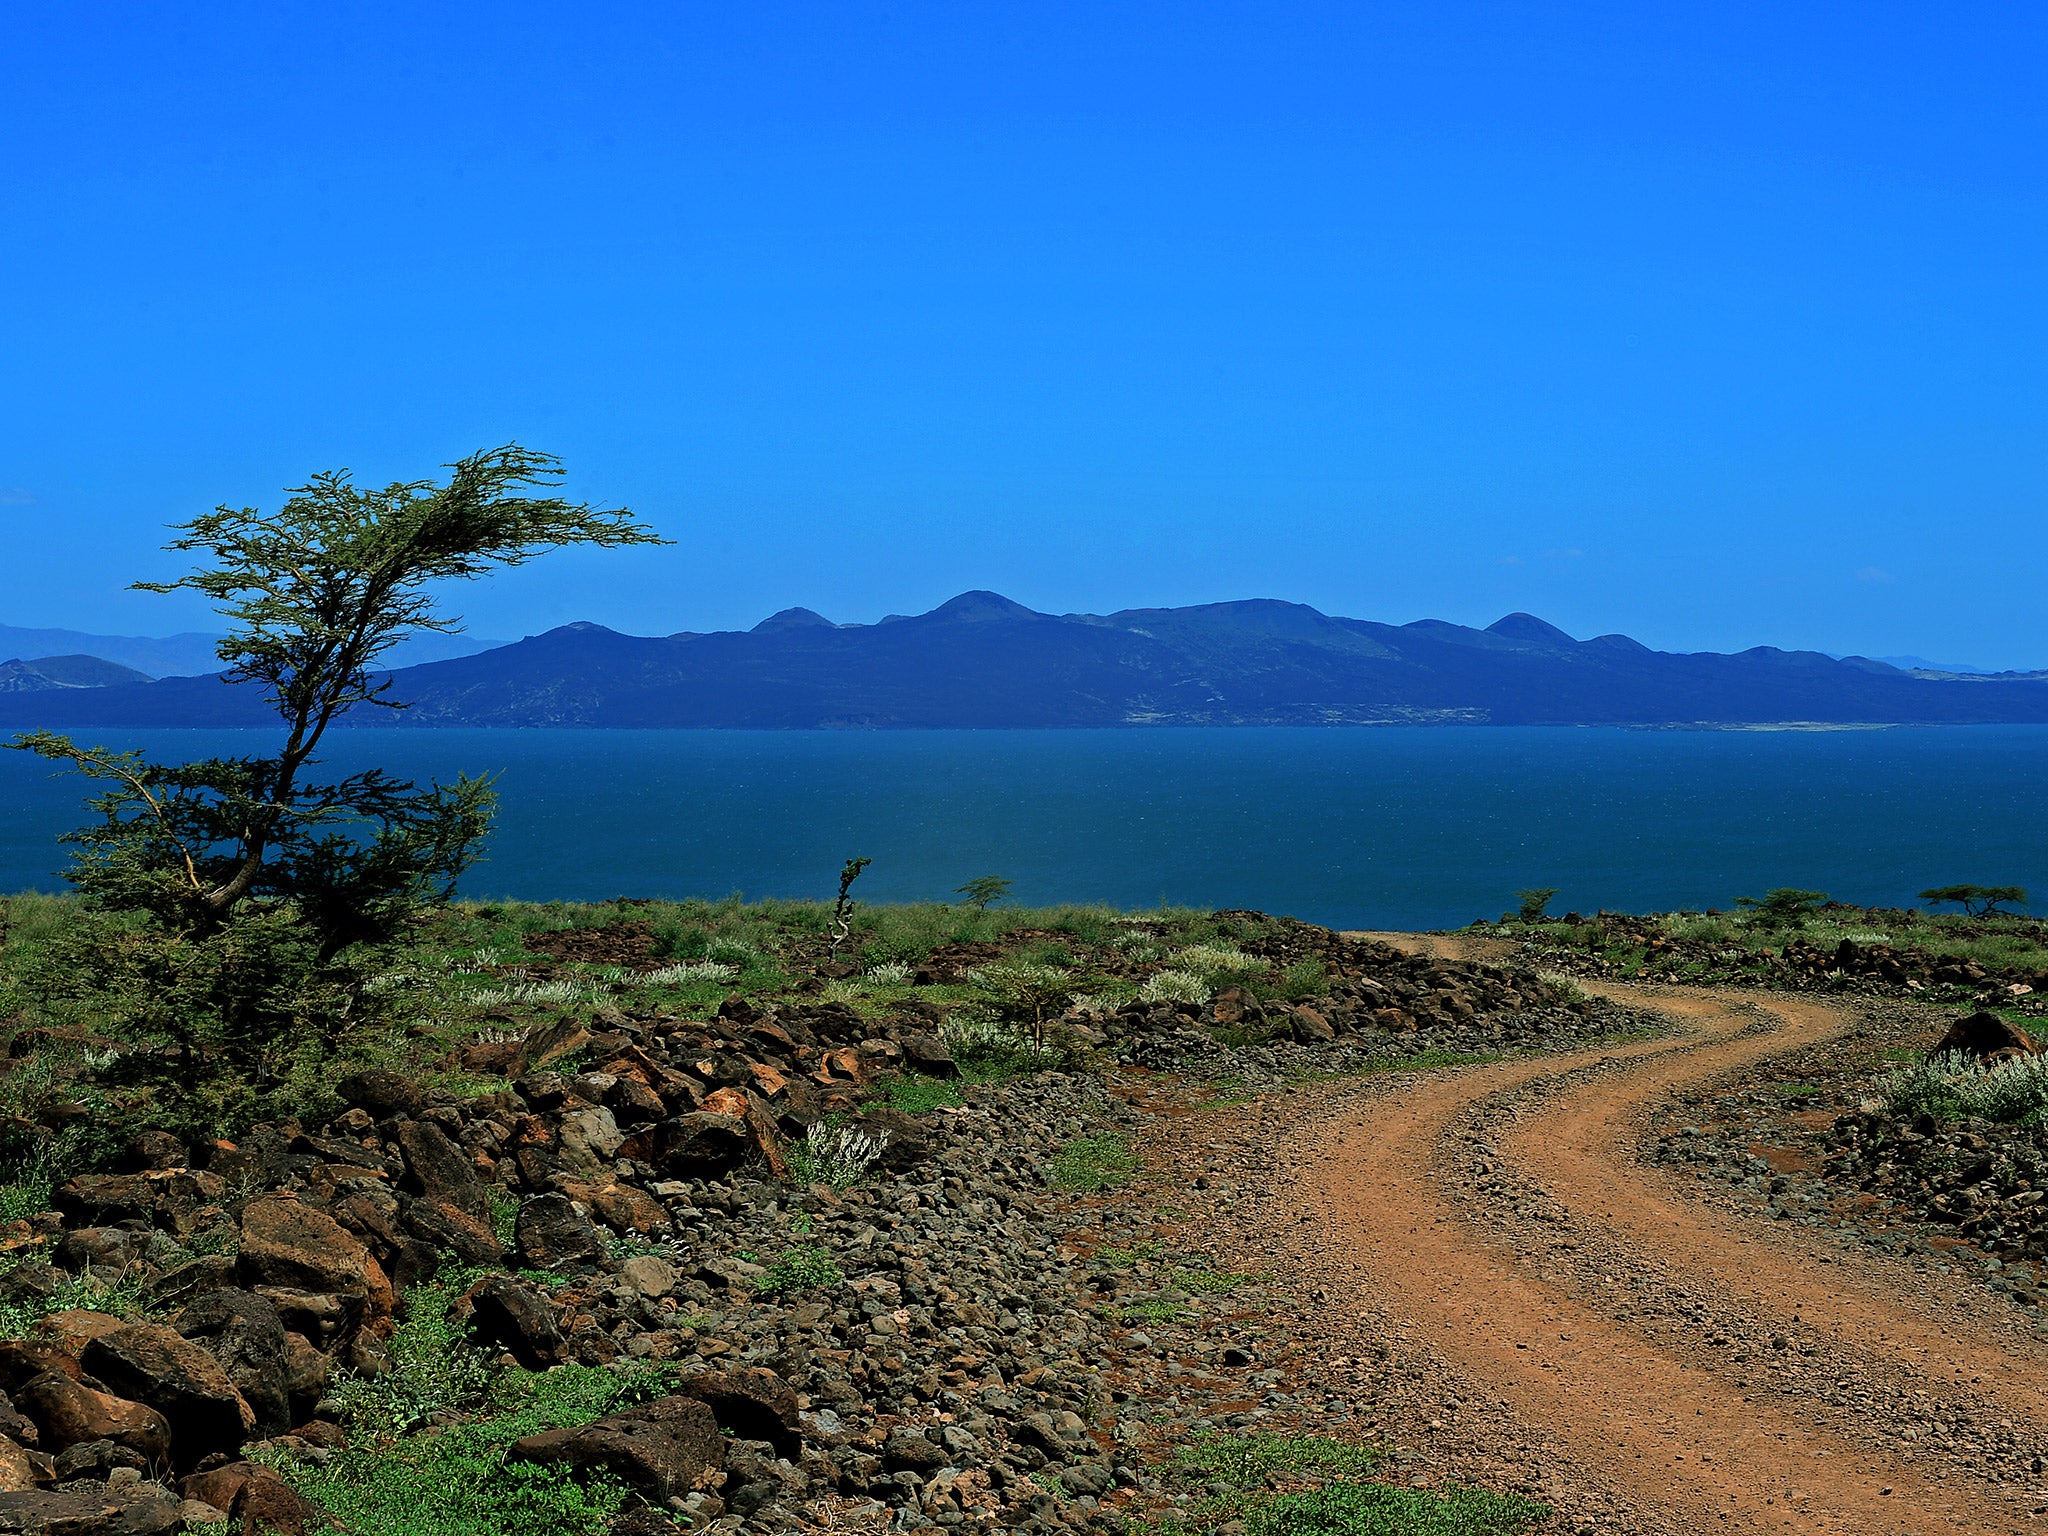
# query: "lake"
{"points": [[1397, 828]]}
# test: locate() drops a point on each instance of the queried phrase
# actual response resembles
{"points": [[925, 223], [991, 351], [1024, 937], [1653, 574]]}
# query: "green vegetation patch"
{"points": [[1956, 1086], [1093, 1163], [915, 1095], [1311, 1485], [1374, 1509], [1248, 1460], [456, 1482], [802, 1268]]}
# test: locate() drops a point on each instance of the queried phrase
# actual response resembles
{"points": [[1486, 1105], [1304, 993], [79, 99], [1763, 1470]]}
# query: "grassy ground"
{"points": [[1724, 945]]}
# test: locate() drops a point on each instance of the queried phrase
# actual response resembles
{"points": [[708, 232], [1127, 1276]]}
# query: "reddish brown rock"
{"points": [[255, 1499], [69, 1413], [290, 1245], [149, 1363]]}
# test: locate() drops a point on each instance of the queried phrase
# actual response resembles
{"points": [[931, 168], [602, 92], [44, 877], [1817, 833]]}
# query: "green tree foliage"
{"points": [[244, 905], [983, 891], [1976, 900], [1784, 904], [842, 909], [1533, 901]]}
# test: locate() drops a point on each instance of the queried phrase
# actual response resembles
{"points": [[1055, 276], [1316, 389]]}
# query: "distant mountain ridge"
{"points": [[983, 661], [190, 654]]}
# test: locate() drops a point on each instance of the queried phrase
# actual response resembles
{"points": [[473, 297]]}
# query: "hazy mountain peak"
{"points": [[1526, 626], [980, 607], [792, 618]]}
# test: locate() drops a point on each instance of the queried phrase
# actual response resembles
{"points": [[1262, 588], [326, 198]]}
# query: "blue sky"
{"points": [[1716, 325]]}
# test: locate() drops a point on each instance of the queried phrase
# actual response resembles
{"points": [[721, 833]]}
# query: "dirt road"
{"points": [[1669, 1366]]}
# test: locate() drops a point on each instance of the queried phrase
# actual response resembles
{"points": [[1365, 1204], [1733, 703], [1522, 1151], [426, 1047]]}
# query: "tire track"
{"points": [[1664, 1425]]}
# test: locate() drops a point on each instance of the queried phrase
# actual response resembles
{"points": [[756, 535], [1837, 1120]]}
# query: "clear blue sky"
{"points": [[1714, 324]]}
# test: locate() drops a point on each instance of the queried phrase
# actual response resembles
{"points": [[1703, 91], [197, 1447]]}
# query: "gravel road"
{"points": [[1484, 1257]]}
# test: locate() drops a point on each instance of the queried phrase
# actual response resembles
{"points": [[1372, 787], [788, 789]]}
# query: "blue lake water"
{"points": [[1404, 828]]}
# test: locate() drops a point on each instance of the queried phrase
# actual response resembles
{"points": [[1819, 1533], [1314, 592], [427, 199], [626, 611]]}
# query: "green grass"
{"points": [[919, 1095], [455, 1481], [1155, 1312], [802, 1268], [1124, 1257], [1998, 942], [1311, 1485], [1093, 1163], [1248, 1459], [1374, 1509]]}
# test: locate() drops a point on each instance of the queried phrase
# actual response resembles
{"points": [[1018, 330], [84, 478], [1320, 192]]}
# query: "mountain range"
{"points": [[983, 661], [191, 653]]}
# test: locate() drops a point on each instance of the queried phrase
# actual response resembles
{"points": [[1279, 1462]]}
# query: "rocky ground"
{"points": [[1910, 964], [849, 1287]]}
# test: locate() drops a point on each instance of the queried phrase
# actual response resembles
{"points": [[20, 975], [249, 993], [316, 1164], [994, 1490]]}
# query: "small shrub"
{"points": [[734, 952], [1783, 904], [435, 1372], [1218, 960], [835, 1154], [1532, 902], [892, 973], [987, 1046], [1956, 1086], [1093, 1162], [685, 975], [1174, 986], [801, 1269]]}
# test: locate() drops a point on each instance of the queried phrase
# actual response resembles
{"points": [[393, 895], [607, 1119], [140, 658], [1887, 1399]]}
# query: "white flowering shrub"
{"points": [[1216, 960], [835, 1154], [1955, 1086], [1174, 986]]}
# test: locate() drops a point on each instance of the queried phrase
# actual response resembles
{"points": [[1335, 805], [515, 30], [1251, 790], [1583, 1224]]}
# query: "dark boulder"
{"points": [[438, 1169], [96, 1459], [255, 1499], [69, 1413], [663, 1451], [750, 1404], [141, 1510], [149, 1363], [911, 1450], [381, 1093], [244, 1333], [928, 1054], [701, 1145], [551, 1234], [518, 1319], [291, 1245], [906, 1141]]}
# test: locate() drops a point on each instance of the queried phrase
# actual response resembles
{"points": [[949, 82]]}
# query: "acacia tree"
{"points": [[252, 881], [1977, 900]]}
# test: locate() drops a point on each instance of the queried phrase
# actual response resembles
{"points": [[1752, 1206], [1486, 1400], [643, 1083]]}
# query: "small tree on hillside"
{"points": [[983, 891], [1977, 900], [1533, 901], [250, 898], [1784, 904]]}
